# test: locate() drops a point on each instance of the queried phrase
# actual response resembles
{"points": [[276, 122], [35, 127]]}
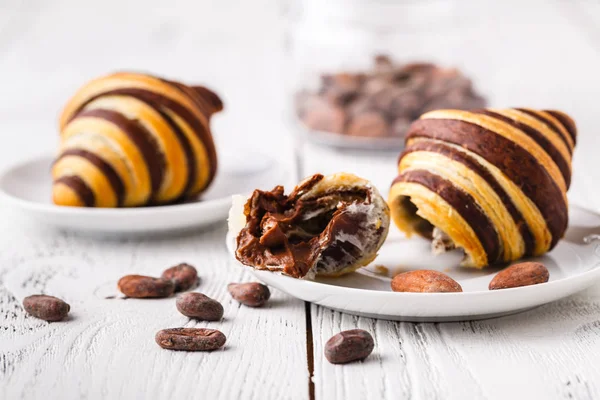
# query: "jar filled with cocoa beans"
{"points": [[360, 71]]}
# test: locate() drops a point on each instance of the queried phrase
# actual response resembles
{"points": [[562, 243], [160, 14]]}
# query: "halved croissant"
{"points": [[328, 226], [131, 139], [492, 182]]}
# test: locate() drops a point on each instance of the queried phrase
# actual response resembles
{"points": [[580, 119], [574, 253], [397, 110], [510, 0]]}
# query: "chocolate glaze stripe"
{"points": [[475, 166], [195, 123], [109, 172], [75, 183], [515, 162], [464, 204], [562, 164], [207, 101], [144, 141], [184, 142], [559, 126], [509, 132], [551, 125], [567, 122], [209, 97]]}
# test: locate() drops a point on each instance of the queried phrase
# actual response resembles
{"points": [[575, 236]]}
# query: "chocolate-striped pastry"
{"points": [[131, 139], [492, 182], [328, 226]]}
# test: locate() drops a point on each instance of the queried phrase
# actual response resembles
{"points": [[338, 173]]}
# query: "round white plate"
{"points": [[27, 187], [574, 265]]}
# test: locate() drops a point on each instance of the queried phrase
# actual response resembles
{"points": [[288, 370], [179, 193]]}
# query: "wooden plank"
{"points": [[106, 349], [544, 353]]}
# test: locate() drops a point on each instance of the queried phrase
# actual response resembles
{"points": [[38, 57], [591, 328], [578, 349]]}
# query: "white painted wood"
{"points": [[106, 348]]}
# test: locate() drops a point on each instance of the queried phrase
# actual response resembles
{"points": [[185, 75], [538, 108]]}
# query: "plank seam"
{"points": [[309, 351]]}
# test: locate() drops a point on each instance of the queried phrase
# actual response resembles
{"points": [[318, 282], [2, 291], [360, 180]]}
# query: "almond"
{"points": [[424, 281], [522, 274]]}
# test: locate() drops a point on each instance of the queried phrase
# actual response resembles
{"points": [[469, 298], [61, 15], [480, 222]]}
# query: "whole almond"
{"points": [[347, 346], [183, 275], [190, 339], [251, 294], [521, 274], [425, 281], [199, 306], [140, 286], [48, 308]]}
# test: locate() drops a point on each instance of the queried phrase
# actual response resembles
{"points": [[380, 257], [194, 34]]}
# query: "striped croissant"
{"points": [[492, 182], [132, 140]]}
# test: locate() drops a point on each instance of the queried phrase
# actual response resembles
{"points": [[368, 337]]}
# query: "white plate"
{"points": [[27, 187], [574, 265]]}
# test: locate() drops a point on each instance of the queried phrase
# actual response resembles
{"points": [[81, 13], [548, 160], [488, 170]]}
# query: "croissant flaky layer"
{"points": [[131, 139], [492, 182]]}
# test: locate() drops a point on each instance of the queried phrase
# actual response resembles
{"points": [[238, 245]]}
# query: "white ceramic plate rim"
{"points": [[95, 211], [471, 304]]}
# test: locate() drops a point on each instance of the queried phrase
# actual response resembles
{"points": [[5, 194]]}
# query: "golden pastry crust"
{"points": [[134, 140], [494, 181]]}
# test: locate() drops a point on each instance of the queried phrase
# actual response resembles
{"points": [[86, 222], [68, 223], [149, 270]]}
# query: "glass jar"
{"points": [[360, 71]]}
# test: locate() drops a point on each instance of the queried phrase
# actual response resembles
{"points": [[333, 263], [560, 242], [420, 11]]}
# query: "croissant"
{"points": [[492, 182], [327, 226], [131, 139]]}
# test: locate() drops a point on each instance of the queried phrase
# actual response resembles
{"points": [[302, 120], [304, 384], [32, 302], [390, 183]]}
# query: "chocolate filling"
{"points": [[464, 204], [109, 172], [475, 166], [299, 232], [522, 168], [85, 193]]}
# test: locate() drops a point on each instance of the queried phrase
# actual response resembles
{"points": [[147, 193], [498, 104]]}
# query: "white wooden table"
{"points": [[549, 55]]}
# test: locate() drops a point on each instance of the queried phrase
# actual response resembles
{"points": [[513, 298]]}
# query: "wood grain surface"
{"points": [[545, 55]]}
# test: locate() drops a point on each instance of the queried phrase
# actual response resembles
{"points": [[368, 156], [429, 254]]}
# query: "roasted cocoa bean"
{"points": [[48, 308], [198, 306], [184, 276], [347, 346], [327, 117], [371, 124], [424, 281], [251, 294], [521, 274], [139, 286], [190, 339], [397, 92]]}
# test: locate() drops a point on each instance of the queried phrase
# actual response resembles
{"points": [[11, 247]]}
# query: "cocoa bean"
{"points": [[327, 117], [139, 286], [251, 294], [369, 124], [347, 346], [199, 306], [190, 339], [48, 308], [183, 276]]}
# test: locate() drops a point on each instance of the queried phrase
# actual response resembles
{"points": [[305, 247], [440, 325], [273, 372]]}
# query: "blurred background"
{"points": [[271, 61]]}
